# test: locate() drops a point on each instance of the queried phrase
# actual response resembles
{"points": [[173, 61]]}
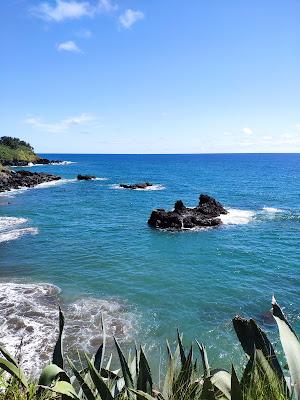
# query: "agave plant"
{"points": [[185, 379]]}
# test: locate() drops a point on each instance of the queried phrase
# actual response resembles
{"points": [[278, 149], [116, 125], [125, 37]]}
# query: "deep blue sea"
{"points": [[87, 245]]}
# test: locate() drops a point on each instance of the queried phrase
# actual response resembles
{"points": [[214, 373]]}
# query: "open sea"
{"points": [[86, 245]]}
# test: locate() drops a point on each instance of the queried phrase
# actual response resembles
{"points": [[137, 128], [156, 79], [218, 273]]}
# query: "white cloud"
{"points": [[247, 131], [107, 6], [69, 46], [71, 9], [130, 17], [61, 126], [63, 9]]}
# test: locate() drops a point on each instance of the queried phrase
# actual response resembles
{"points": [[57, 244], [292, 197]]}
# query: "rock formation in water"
{"points": [[17, 179], [134, 186], [85, 177], [206, 214]]}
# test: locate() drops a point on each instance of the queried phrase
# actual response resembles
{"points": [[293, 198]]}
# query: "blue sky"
{"points": [[151, 76]]}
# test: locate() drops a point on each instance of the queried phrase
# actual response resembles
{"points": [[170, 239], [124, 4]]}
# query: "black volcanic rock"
{"points": [[85, 177], [17, 179], [134, 186], [204, 215], [39, 161]]}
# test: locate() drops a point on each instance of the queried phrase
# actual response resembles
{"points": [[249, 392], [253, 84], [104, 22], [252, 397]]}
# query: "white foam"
{"points": [[13, 192], [100, 179], [272, 210], [29, 315], [29, 165], [9, 229], [237, 217], [148, 188], [53, 183]]}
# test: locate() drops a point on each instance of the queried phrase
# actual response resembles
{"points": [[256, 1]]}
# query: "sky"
{"points": [[151, 76]]}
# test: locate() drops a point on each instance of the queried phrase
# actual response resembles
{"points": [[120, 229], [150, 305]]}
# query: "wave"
{"points": [[147, 189], [237, 217], [29, 165], [272, 210], [100, 179], [29, 321], [9, 229], [13, 192]]}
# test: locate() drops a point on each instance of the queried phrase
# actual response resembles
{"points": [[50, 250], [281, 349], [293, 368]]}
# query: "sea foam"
{"points": [[10, 228], [146, 189], [29, 322], [237, 217]]}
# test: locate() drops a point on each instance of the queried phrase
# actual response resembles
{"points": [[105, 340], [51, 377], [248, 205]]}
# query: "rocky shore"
{"points": [[204, 215], [17, 179], [39, 161]]}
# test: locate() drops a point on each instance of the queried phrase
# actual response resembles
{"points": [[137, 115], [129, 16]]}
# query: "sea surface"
{"points": [[87, 246]]}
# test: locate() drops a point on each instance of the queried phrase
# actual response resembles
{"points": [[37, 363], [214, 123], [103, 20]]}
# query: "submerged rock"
{"points": [[17, 179], [204, 215], [143, 185], [85, 177]]}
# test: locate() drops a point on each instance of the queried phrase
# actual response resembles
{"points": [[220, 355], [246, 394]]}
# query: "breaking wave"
{"points": [[272, 210], [13, 192], [10, 230], [43, 165], [29, 322], [237, 217]]}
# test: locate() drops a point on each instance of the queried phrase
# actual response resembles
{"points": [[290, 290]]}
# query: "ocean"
{"points": [[86, 245]]}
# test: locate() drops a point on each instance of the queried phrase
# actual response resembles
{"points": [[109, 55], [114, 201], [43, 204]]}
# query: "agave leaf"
{"points": [[124, 366], [184, 378], [83, 384], [268, 374], [236, 391], [221, 379], [99, 356], [142, 395], [207, 392], [14, 371], [8, 356], [181, 349], [99, 383], [291, 346], [64, 388], [52, 373], [247, 374], [58, 349], [204, 358], [252, 337], [144, 381]]}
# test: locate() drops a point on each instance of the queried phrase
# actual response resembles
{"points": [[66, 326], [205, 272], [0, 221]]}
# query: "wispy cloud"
{"points": [[84, 33], [247, 131], [61, 126], [227, 133], [130, 17], [68, 46], [63, 10], [107, 6]]}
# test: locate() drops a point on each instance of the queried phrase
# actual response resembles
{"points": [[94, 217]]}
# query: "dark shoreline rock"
{"points": [[39, 161], [17, 179], [143, 185], [85, 177], [204, 215]]}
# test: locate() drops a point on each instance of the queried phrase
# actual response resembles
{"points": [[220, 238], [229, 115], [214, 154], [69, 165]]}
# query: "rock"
{"points": [[204, 215], [85, 177], [43, 161], [17, 179], [134, 186]]}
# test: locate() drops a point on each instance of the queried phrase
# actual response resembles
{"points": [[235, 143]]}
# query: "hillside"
{"points": [[14, 150]]}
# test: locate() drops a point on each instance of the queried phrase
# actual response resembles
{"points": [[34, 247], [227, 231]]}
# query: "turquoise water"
{"points": [[92, 241]]}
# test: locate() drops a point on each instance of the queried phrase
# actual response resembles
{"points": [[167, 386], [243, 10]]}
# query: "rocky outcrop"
{"points": [[134, 186], [39, 161], [206, 214], [85, 177], [17, 179]]}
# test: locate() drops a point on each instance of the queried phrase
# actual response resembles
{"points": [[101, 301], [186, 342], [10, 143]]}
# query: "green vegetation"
{"points": [[184, 379], [15, 150]]}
